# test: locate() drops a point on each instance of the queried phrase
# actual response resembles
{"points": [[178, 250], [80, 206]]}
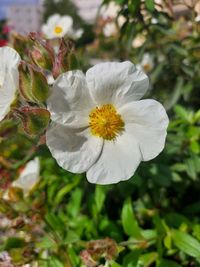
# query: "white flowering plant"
{"points": [[86, 175]]}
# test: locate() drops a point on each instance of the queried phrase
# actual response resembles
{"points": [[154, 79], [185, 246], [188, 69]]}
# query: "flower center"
{"points": [[58, 29], [146, 67], [105, 122]]}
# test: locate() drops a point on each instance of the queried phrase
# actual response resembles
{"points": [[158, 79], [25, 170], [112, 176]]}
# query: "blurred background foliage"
{"points": [[154, 218]]}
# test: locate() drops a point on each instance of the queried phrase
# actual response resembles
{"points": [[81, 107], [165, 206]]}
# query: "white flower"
{"points": [[154, 21], [28, 178], [197, 18], [111, 11], [147, 63], [58, 26], [9, 78], [100, 126], [138, 41], [110, 29]]}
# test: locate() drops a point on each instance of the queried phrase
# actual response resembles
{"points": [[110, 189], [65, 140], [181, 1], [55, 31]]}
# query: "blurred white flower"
{"points": [[99, 126], [154, 21], [58, 26], [197, 18], [9, 78], [110, 29], [147, 63], [138, 41], [28, 178], [110, 12]]}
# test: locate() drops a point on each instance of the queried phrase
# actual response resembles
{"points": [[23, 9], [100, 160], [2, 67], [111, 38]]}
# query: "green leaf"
{"points": [[191, 168], [74, 205], [149, 234], [176, 94], [114, 264], [13, 242], [186, 243], [55, 223], [55, 262], [73, 62], [46, 243], [129, 221], [167, 263], [174, 219], [181, 112], [149, 5], [66, 189], [99, 197], [147, 259], [120, 2], [196, 231], [71, 237], [131, 259], [168, 241]]}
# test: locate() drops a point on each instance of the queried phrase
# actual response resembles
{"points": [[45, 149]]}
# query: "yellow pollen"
{"points": [[58, 29], [105, 122], [147, 67]]}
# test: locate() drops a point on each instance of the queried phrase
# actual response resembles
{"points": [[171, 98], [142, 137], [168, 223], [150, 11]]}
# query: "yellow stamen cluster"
{"points": [[105, 122], [58, 29], [146, 67]]}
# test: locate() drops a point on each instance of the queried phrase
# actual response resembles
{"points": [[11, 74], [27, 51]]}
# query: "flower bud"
{"points": [[32, 84], [41, 58], [65, 59], [35, 120]]}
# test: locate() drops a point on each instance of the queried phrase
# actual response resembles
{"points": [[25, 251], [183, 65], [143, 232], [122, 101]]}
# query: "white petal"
{"points": [[116, 83], [9, 57], [50, 79], [149, 121], [70, 101], [29, 176], [78, 33], [66, 23], [75, 150], [110, 29], [53, 20], [7, 91], [118, 161], [46, 29]]}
